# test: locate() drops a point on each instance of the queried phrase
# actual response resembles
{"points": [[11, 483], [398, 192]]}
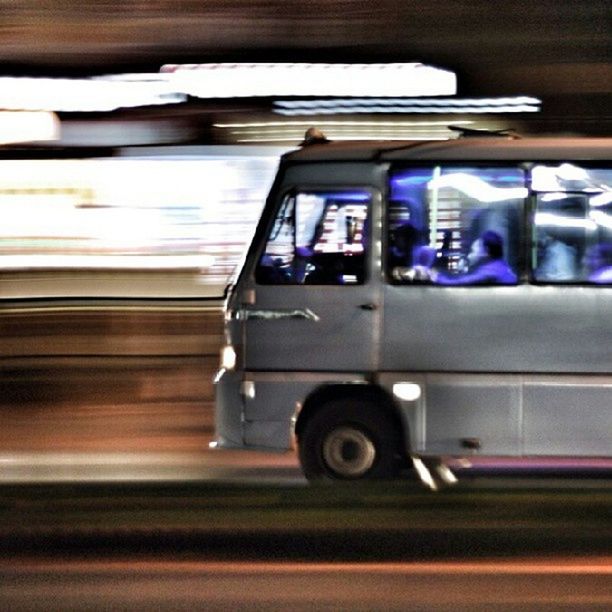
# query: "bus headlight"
{"points": [[228, 357]]}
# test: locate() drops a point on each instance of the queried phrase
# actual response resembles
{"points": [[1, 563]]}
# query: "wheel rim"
{"points": [[348, 452]]}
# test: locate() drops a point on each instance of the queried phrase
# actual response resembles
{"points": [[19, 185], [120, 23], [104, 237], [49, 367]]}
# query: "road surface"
{"points": [[136, 584]]}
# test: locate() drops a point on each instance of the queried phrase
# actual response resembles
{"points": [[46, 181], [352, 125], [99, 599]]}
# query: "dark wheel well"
{"points": [[329, 393], [339, 416]]}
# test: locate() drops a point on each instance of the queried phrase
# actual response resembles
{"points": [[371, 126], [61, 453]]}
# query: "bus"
{"points": [[405, 303]]}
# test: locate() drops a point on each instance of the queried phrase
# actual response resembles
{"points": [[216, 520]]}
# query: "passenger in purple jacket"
{"points": [[487, 265]]}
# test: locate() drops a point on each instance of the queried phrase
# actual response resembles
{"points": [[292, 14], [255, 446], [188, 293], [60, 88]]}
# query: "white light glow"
{"points": [[407, 391], [553, 197], [191, 215], [601, 218], [569, 172], [227, 80], [424, 474], [247, 389], [550, 219], [379, 105], [84, 95], [23, 126], [476, 188], [228, 357], [446, 474], [601, 199], [107, 262], [556, 179]]}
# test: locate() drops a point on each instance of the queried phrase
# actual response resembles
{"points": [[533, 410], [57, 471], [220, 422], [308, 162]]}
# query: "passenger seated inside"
{"points": [[599, 262], [401, 246], [422, 271], [557, 260], [486, 264]]}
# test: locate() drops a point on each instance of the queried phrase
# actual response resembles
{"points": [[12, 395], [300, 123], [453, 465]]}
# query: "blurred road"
{"points": [[526, 584], [177, 466]]}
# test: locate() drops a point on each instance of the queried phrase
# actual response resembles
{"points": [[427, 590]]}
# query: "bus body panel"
{"points": [[524, 328], [569, 415], [275, 399]]}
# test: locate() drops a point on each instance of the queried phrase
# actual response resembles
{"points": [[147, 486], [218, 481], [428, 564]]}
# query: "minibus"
{"points": [[403, 303]]}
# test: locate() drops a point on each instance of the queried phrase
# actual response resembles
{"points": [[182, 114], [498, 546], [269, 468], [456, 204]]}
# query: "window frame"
{"points": [[523, 264], [532, 227]]}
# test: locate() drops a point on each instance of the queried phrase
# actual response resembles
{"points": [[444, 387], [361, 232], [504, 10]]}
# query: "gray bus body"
{"points": [[364, 363]]}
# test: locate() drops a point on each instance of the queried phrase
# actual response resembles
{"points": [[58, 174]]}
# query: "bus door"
{"points": [[311, 305]]}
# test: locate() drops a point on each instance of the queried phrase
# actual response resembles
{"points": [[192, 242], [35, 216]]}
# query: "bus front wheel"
{"points": [[349, 440]]}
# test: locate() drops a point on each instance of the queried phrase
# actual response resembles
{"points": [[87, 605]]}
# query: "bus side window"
{"points": [[317, 239], [572, 234], [455, 225]]}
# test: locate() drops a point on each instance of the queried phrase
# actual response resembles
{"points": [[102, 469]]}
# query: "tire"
{"points": [[350, 439]]}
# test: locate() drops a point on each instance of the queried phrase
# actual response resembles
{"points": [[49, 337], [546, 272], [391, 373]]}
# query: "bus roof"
{"points": [[460, 149]]}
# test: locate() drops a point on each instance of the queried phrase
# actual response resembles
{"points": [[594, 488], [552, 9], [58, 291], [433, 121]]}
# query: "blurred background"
{"points": [[139, 139]]}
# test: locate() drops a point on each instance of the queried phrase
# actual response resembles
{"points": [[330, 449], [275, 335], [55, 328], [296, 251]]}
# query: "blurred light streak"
{"points": [[101, 467], [146, 225], [424, 474], [521, 104], [135, 132], [562, 179], [292, 131], [601, 218], [116, 306], [84, 95], [338, 123], [474, 187], [227, 80], [24, 126], [290, 137], [602, 199], [553, 220], [107, 262]]}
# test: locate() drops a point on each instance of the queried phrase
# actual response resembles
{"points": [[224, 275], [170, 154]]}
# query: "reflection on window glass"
{"points": [[573, 224], [455, 225], [318, 239]]}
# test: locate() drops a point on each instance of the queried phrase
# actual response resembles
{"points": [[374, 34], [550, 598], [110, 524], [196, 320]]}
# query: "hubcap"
{"points": [[348, 452]]}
